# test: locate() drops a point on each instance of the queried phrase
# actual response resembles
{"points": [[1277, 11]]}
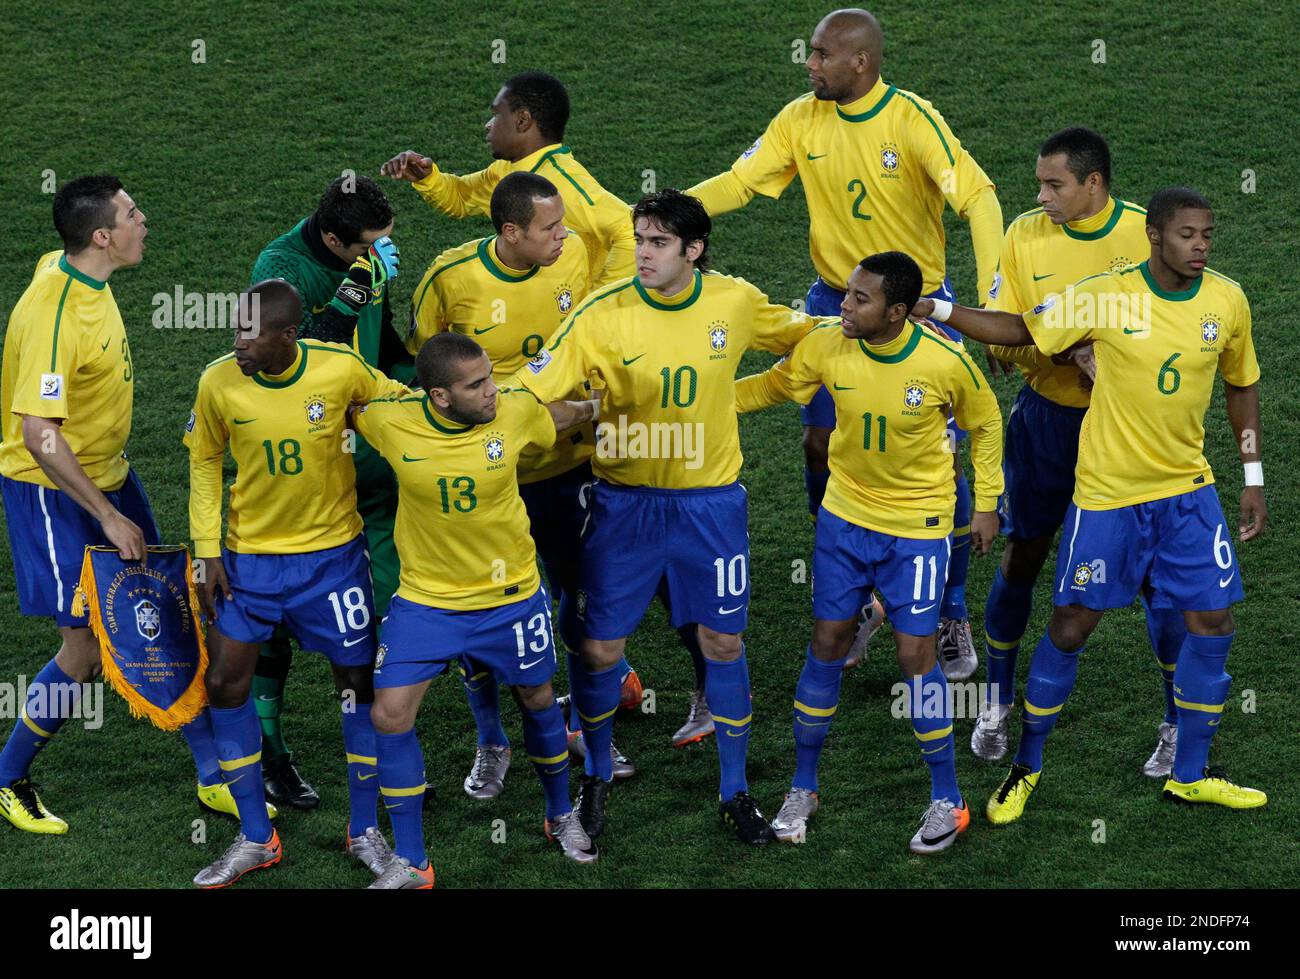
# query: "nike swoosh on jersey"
{"points": [[627, 362], [406, 458], [244, 421], [1039, 278], [525, 666], [353, 642], [818, 156], [728, 611], [841, 387], [479, 332], [918, 611], [1127, 330], [105, 346], [319, 309], [1223, 582]]}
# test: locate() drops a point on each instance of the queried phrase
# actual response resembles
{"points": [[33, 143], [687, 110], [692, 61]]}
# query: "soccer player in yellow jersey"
{"points": [[886, 521], [469, 583], [1144, 512], [67, 388], [295, 553], [1078, 230], [877, 164], [667, 506], [526, 133]]}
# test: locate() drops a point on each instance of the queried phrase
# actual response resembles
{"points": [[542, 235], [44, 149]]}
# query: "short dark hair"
{"points": [[679, 214], [1085, 152], [279, 304], [82, 207], [346, 213], [1164, 204], [435, 364], [901, 275], [512, 200], [545, 98]]}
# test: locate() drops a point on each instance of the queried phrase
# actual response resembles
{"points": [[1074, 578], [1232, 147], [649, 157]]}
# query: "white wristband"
{"points": [[1254, 473], [942, 310], [595, 409]]}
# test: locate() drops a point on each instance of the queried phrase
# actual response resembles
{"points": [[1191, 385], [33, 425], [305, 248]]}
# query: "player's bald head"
{"points": [[270, 306], [844, 63], [855, 30]]}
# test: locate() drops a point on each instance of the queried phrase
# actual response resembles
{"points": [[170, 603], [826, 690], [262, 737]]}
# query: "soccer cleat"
{"points": [[370, 848], [567, 831], [940, 826], [992, 730], [957, 649], [23, 807], [791, 823], [217, 798], [1161, 762], [740, 812], [622, 768], [1215, 788], [699, 722], [1008, 802], [399, 875], [487, 779], [591, 804], [631, 692], [871, 619], [241, 857], [284, 785]]}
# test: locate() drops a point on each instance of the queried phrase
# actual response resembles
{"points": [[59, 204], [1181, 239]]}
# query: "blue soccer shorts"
{"points": [[418, 642], [693, 541], [848, 561], [48, 536], [324, 598], [1041, 449], [557, 509], [1180, 545]]}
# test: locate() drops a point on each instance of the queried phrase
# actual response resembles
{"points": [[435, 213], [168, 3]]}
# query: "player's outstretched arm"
{"points": [[1243, 415], [723, 193], [571, 414], [453, 195], [985, 325]]}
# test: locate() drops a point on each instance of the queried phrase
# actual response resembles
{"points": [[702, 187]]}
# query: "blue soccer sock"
{"points": [[931, 715], [546, 742], [816, 698], [690, 637], [596, 697], [198, 735], [401, 783], [484, 703], [1202, 687], [1006, 615], [814, 483], [50, 700], [239, 747], [569, 623], [954, 591], [363, 765], [726, 688], [1167, 630], [1051, 678]]}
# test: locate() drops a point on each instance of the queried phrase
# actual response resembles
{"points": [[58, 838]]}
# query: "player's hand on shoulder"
{"points": [[923, 308], [408, 165], [1254, 513]]}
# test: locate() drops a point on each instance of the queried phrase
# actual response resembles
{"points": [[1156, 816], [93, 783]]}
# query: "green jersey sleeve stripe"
{"points": [[930, 119], [339, 350], [956, 353], [415, 310], [58, 319], [586, 305]]}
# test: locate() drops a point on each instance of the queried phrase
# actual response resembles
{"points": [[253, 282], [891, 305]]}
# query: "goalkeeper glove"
{"points": [[367, 276]]}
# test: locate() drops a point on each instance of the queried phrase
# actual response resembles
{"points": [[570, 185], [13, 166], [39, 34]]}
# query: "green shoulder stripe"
{"points": [[219, 360], [960, 355], [587, 304], [550, 158], [331, 349], [930, 119], [1026, 214], [1220, 275], [58, 320], [415, 309]]}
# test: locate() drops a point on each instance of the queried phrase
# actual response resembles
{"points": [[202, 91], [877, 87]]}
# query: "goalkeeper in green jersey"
{"points": [[340, 259]]}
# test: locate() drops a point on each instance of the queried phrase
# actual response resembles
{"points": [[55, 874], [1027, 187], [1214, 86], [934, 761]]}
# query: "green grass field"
{"points": [[225, 155]]}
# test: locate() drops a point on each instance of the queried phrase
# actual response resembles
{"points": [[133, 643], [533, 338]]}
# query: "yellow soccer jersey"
{"points": [[512, 315], [890, 454], [66, 356], [668, 366], [1143, 437], [462, 532], [295, 485], [875, 174], [602, 220], [1040, 258]]}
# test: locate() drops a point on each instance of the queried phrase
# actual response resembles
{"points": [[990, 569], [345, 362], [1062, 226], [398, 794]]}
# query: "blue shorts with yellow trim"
{"points": [[1041, 449], [690, 546], [323, 598], [48, 536], [418, 642], [1180, 546], [848, 561]]}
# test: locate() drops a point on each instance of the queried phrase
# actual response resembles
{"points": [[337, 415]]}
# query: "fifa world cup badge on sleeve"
{"points": [[146, 619]]}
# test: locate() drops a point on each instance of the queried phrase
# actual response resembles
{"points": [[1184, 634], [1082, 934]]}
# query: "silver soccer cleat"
{"points": [[240, 858], [957, 649], [399, 875], [791, 823], [371, 849], [567, 831], [699, 722], [871, 619], [989, 739], [621, 767], [487, 778], [1161, 762], [939, 827]]}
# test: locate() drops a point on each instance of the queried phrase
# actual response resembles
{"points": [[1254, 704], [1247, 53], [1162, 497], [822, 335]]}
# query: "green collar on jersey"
{"points": [[433, 420], [1101, 232], [1173, 297], [70, 269], [870, 113], [282, 381], [893, 358], [494, 265], [670, 307]]}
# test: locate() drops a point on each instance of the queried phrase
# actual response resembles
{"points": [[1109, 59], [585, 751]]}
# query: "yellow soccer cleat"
{"points": [[23, 807], [217, 798], [1215, 788], [1008, 802]]}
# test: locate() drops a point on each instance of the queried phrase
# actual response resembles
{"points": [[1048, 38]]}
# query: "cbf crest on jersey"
{"points": [[564, 299], [494, 447], [913, 397], [718, 339], [889, 159], [1210, 333], [314, 407]]}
